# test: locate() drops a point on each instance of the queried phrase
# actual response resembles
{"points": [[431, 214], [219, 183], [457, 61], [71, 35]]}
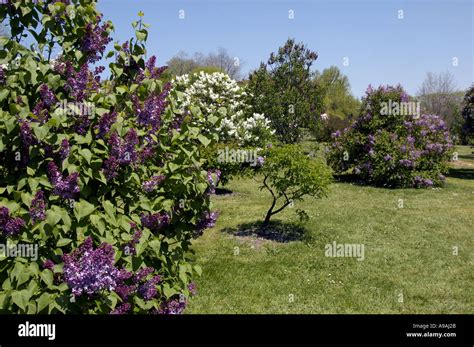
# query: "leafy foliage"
{"points": [[283, 90], [112, 193], [339, 104], [289, 175]]}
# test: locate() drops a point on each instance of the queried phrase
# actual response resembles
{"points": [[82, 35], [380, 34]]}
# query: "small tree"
{"points": [[289, 175], [283, 90]]}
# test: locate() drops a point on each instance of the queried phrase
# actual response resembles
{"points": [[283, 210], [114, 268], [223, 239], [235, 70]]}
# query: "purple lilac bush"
{"points": [[112, 194], [392, 150]]}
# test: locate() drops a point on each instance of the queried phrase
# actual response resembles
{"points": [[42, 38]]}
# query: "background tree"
{"points": [[438, 95], [468, 115], [221, 61], [181, 64], [283, 89], [340, 106]]}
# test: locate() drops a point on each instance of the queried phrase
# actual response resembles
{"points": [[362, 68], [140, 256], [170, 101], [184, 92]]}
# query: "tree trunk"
{"points": [[268, 216]]}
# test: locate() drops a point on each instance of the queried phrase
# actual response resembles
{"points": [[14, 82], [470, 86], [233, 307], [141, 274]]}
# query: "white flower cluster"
{"points": [[212, 91]]}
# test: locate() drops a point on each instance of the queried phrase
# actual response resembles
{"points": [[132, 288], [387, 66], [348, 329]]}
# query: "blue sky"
{"points": [[380, 47]]}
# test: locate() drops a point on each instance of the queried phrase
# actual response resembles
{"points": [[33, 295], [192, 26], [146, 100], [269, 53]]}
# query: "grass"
{"points": [[408, 251]]}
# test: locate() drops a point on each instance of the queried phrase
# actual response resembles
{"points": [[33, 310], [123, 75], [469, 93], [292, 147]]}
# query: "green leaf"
{"points": [[53, 217], [173, 167], [44, 300], [183, 276], [109, 208], [63, 242], [17, 270], [40, 131], [82, 209], [168, 291], [117, 70], [23, 277], [141, 35], [204, 140], [47, 277], [198, 269], [3, 94], [21, 298], [86, 154]]}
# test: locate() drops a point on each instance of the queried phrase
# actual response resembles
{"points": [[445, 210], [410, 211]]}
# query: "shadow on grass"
{"points": [[466, 156], [462, 173], [353, 179], [224, 191], [276, 231]]}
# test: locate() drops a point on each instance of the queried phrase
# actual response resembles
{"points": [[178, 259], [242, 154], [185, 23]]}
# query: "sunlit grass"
{"points": [[409, 252]]}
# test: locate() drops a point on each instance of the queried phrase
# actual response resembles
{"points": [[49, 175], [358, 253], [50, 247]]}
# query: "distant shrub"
{"points": [[392, 149]]}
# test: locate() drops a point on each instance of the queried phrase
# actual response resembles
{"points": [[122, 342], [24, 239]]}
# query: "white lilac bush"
{"points": [[216, 94], [226, 112]]}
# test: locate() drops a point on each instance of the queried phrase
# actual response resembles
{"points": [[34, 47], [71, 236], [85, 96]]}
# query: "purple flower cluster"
{"points": [[111, 167], [129, 247], [154, 71], [125, 290], [122, 152], [208, 220], [210, 180], [10, 226], [155, 222], [407, 163], [38, 207], [149, 115], [422, 182], [142, 273], [177, 123], [2, 76], [192, 288], [260, 161], [147, 152], [66, 188], [122, 309], [88, 271], [64, 149], [150, 185], [95, 40], [127, 153], [140, 284], [26, 135], [173, 306], [47, 96], [105, 123], [148, 289], [79, 84], [48, 264]]}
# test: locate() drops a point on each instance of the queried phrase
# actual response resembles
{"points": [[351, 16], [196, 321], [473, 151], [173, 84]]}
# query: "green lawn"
{"points": [[408, 251]]}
